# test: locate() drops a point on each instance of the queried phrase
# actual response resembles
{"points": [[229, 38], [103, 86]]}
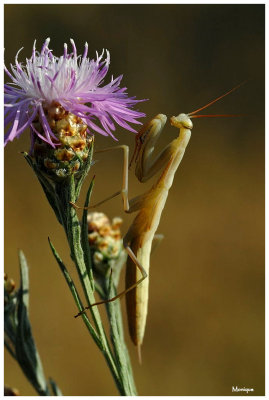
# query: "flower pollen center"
{"points": [[70, 138]]}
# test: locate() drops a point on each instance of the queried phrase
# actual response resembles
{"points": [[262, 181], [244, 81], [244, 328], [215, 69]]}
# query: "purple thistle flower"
{"points": [[73, 82]]}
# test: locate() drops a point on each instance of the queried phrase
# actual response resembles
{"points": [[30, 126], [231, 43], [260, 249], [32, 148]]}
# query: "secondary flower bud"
{"points": [[105, 240]]}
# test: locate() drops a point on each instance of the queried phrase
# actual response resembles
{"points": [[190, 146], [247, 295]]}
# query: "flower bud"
{"points": [[71, 140], [105, 241]]}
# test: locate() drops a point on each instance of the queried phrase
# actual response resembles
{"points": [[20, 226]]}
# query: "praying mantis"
{"points": [[149, 206]]}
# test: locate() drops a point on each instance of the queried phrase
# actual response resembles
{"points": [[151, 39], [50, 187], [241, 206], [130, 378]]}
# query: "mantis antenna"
{"points": [[217, 99]]}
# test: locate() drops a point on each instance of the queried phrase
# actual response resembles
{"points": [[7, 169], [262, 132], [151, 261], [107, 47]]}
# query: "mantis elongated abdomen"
{"points": [[137, 299]]}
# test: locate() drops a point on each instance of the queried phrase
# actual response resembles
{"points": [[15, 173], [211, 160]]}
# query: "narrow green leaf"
{"points": [[9, 347], [24, 279], [84, 235], [9, 313], [26, 352], [74, 292]]}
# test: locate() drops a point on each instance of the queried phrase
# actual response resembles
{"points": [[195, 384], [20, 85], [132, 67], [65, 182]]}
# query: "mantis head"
{"points": [[182, 121]]}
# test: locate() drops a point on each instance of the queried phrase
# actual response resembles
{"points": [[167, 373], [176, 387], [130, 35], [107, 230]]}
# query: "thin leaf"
{"points": [[9, 347], [74, 292], [9, 323], [26, 352], [84, 235]]}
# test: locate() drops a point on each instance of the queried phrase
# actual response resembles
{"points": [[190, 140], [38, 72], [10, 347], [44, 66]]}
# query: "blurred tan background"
{"points": [[205, 329]]}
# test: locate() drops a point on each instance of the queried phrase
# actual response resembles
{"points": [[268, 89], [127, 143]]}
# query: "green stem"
{"points": [[117, 338], [60, 195], [118, 316], [73, 231]]}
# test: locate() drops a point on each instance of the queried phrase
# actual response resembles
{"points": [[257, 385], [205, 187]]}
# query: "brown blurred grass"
{"points": [[205, 330]]}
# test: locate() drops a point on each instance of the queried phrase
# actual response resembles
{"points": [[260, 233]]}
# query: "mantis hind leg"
{"points": [[99, 203], [144, 276]]}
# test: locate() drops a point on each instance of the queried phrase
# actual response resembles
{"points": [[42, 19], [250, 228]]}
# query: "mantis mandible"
{"points": [[149, 206]]}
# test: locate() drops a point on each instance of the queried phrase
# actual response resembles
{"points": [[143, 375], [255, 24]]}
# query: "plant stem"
{"points": [[117, 338], [71, 224], [60, 194]]}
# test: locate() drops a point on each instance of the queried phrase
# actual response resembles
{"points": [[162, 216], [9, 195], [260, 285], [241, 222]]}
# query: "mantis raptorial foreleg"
{"points": [[145, 169]]}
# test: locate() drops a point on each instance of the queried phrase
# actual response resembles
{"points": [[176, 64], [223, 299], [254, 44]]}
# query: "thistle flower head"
{"points": [[72, 81]]}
